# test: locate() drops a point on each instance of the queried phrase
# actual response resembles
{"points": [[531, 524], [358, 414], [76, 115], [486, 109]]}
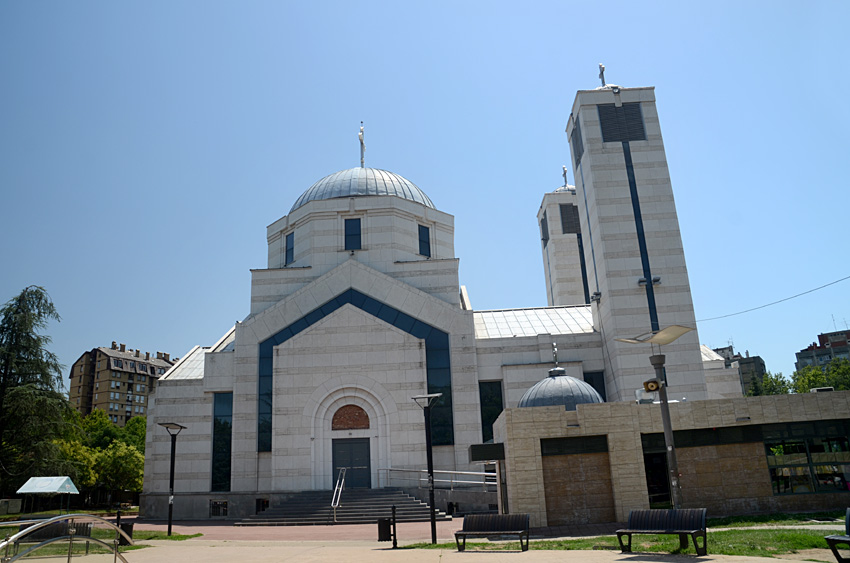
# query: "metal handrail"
{"points": [[340, 485], [10, 541], [487, 479]]}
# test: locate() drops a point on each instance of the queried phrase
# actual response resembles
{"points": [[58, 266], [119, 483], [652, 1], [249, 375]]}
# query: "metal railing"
{"points": [[451, 480], [12, 541], [340, 485]]}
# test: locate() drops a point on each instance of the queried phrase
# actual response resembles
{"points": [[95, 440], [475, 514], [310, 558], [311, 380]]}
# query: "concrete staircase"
{"points": [[357, 506]]}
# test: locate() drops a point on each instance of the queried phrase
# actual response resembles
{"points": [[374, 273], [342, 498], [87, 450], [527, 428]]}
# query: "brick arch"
{"points": [[350, 417]]}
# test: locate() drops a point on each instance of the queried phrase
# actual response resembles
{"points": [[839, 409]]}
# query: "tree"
{"points": [[835, 374], [98, 430], [121, 467], [770, 384], [33, 412], [135, 432]]}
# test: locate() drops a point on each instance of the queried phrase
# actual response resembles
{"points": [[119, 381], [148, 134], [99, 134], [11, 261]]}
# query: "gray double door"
{"points": [[353, 454]]}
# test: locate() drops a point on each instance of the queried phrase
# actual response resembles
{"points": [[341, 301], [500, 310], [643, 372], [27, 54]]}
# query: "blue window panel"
{"points": [[330, 306], [223, 404], [267, 348], [289, 257], [424, 241], [352, 234], [371, 306], [266, 365], [357, 299], [420, 330], [314, 316], [436, 358], [437, 340], [282, 336], [404, 322], [298, 326], [387, 314], [439, 377]]}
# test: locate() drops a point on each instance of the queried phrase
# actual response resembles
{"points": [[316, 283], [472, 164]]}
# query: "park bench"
{"points": [[682, 522], [834, 541], [55, 530], [482, 525]]}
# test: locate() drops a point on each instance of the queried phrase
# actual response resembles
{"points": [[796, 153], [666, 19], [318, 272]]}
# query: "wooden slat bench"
{"points": [[482, 525], [682, 522], [55, 530], [834, 541]]}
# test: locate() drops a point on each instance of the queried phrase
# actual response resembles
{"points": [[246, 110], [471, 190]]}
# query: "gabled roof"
{"points": [[48, 485]]}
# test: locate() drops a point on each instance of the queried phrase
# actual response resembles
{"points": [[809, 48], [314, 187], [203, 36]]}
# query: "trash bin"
{"points": [[384, 533], [127, 528]]}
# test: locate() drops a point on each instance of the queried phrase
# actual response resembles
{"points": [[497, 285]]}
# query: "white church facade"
{"points": [[361, 308]]}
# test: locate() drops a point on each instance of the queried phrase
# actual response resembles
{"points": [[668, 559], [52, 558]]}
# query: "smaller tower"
{"points": [[563, 248]]}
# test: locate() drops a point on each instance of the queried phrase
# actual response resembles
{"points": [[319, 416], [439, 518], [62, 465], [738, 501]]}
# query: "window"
{"points": [[132, 365], [352, 234], [424, 241], [569, 219], [289, 257], [624, 123], [221, 441], [544, 230], [490, 395], [809, 465], [117, 363], [143, 367]]}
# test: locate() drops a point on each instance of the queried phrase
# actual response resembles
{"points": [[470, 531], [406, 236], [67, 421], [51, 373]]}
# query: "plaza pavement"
{"points": [[224, 543]]}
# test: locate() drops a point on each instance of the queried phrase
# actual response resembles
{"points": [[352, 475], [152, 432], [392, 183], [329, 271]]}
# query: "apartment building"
{"points": [[116, 380]]}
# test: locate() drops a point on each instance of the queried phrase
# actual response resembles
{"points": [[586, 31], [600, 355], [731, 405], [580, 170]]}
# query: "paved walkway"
{"points": [[224, 543]]}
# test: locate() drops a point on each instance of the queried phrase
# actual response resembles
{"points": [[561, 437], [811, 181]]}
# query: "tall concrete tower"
{"points": [[563, 255], [632, 245]]}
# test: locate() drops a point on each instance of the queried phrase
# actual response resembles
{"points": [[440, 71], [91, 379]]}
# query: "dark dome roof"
{"points": [[363, 182], [559, 389]]}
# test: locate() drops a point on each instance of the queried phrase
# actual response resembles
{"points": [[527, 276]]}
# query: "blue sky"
{"points": [[145, 146]]}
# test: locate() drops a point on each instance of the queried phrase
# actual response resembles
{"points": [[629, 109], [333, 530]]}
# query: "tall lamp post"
{"points": [[173, 430], [660, 338], [426, 401]]}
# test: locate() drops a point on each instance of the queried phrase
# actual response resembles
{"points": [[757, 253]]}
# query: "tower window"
{"points": [[569, 219], [576, 142], [544, 230], [290, 249], [424, 241], [352, 234], [624, 123]]}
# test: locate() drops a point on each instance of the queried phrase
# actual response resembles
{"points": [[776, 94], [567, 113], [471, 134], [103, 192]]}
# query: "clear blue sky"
{"points": [[145, 146]]}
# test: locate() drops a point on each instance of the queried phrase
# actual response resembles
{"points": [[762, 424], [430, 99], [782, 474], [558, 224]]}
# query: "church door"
{"points": [[353, 454]]}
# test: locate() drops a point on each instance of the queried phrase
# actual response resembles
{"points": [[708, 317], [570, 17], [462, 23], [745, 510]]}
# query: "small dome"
{"points": [[356, 182], [560, 389]]}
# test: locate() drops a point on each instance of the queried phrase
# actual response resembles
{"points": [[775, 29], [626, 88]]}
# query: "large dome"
{"points": [[362, 182], [560, 389]]}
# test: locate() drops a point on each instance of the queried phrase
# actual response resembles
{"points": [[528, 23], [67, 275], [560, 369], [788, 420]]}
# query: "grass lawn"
{"points": [[101, 533], [755, 540]]}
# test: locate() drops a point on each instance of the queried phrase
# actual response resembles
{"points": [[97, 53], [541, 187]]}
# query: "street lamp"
{"points": [[660, 338], [173, 430], [425, 401]]}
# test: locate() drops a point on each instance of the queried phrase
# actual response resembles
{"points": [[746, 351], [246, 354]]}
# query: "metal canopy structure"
{"points": [[49, 485]]}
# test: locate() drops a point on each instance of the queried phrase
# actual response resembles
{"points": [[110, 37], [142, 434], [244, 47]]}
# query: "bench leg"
{"points": [[700, 550], [460, 547], [683, 541], [523, 546], [833, 545], [623, 547]]}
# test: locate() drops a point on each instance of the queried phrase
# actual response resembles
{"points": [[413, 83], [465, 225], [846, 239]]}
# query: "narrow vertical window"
{"points": [[490, 395], [290, 249], [352, 234], [221, 441], [544, 230], [424, 241]]}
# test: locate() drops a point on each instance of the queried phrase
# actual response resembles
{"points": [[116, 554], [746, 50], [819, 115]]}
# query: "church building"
{"points": [[360, 308]]}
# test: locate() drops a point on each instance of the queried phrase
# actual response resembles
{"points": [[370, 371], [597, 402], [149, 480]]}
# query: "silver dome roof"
{"points": [[560, 390], [363, 182]]}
